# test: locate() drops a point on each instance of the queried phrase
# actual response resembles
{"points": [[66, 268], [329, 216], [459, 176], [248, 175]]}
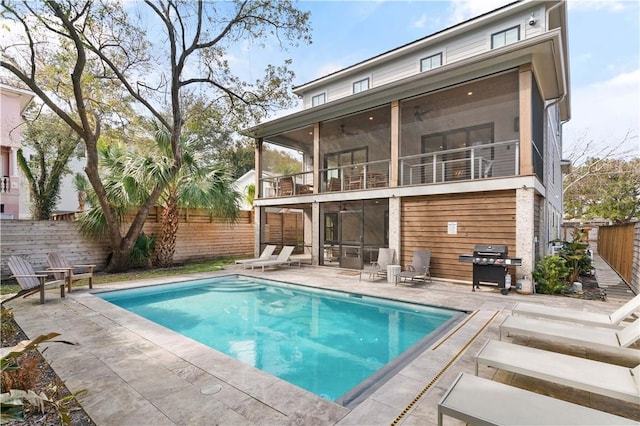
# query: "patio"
{"points": [[138, 373]]}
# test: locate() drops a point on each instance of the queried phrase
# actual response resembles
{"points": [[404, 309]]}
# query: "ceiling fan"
{"points": [[346, 133], [419, 111]]}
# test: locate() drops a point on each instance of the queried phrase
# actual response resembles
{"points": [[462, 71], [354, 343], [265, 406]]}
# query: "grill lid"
{"points": [[495, 250]]}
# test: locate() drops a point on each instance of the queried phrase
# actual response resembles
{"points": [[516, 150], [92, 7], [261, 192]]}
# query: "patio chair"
{"points": [[334, 184], [286, 186], [284, 258], [596, 338], [29, 281], [73, 272], [613, 320], [419, 268], [267, 254], [481, 401], [385, 258], [610, 380]]}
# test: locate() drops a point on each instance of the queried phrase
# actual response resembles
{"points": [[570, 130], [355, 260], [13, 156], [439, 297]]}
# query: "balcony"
{"points": [[500, 159], [287, 185], [5, 184], [354, 177]]}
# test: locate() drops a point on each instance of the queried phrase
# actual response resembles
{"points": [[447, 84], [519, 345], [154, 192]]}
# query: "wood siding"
{"points": [[387, 70], [482, 218]]}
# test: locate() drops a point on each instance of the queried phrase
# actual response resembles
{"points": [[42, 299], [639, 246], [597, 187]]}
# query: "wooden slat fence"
{"points": [[285, 229], [619, 246], [200, 236]]}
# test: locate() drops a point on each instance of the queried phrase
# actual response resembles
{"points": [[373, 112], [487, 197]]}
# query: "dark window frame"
{"points": [[359, 83], [505, 31], [324, 99], [422, 69]]}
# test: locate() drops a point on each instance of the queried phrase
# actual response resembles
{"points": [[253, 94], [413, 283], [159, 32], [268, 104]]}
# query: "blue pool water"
{"points": [[336, 345]]}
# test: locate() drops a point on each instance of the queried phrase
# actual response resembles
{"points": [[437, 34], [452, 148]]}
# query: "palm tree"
{"points": [[130, 176], [81, 183]]}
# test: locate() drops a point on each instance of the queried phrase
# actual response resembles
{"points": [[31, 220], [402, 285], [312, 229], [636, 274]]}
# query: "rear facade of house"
{"points": [[444, 143]]}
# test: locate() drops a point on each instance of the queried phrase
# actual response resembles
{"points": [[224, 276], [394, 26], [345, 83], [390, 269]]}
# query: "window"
{"points": [[505, 37], [457, 163], [318, 99], [431, 62], [360, 86], [331, 227]]}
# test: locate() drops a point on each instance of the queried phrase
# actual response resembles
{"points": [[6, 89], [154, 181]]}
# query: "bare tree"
{"points": [[602, 183], [153, 52]]}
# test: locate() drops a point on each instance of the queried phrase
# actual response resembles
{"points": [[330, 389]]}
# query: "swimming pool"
{"points": [[338, 345]]}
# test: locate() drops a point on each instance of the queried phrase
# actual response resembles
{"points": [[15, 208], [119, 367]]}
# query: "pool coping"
{"points": [[150, 366]]}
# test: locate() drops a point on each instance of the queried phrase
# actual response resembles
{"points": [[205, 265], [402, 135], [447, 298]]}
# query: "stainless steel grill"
{"points": [[490, 264]]}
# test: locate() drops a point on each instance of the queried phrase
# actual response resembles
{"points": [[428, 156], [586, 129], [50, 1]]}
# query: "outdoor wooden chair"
{"points": [[72, 273], [286, 186], [30, 281]]}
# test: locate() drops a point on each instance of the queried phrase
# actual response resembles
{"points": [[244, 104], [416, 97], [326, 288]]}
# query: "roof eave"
{"points": [[539, 50]]}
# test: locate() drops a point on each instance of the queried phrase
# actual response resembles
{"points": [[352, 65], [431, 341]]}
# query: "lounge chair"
{"points": [[284, 258], [572, 315], [385, 258], [481, 401], [267, 254], [580, 373], [58, 262], [599, 339], [419, 268], [29, 281]]}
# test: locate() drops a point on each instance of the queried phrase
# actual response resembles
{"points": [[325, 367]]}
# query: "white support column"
{"points": [[315, 233], [525, 231], [394, 226], [13, 159], [258, 229]]}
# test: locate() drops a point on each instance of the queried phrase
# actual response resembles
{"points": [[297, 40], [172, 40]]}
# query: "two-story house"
{"points": [[447, 142], [13, 198]]}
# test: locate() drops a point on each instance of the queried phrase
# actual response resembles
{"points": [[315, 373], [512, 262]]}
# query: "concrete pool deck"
{"points": [[139, 373]]}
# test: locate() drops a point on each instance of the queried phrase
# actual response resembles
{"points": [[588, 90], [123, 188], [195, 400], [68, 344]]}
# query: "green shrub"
{"points": [[550, 274], [576, 256], [142, 251]]}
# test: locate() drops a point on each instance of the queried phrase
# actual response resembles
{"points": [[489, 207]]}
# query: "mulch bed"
{"points": [[40, 378]]}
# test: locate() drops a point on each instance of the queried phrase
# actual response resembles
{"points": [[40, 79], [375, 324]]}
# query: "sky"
{"points": [[604, 48]]}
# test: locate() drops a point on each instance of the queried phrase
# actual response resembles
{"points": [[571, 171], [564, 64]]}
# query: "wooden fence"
{"points": [[619, 246], [200, 236]]}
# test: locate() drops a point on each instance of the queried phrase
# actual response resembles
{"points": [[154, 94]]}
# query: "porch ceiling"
{"points": [[544, 51]]}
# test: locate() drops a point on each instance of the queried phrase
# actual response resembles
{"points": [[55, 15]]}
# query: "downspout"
{"points": [[564, 78], [550, 104]]}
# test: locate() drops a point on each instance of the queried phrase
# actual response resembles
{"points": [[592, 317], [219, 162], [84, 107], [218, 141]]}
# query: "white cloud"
{"points": [[591, 5], [420, 22], [467, 9], [606, 111]]}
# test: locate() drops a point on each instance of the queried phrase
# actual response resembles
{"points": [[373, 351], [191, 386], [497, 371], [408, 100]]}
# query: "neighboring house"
{"points": [[443, 143], [14, 195], [241, 185]]}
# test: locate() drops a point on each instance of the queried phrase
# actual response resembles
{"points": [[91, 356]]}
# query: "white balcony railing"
{"points": [[477, 162], [373, 174], [500, 159], [287, 185], [5, 184]]}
